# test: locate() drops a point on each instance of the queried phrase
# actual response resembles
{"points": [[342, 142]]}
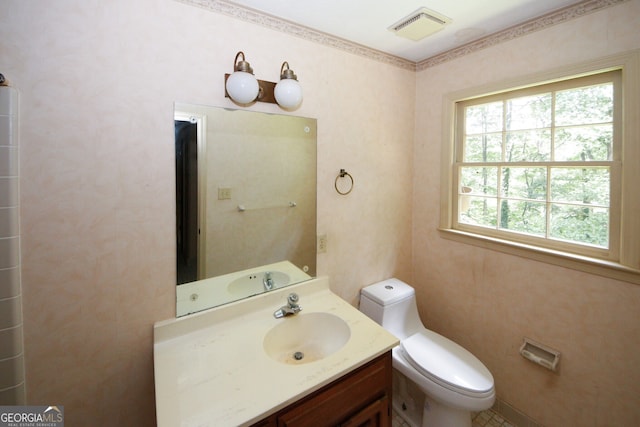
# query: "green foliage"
{"points": [[560, 202]]}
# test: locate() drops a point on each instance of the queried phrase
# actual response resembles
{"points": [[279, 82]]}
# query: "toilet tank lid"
{"points": [[388, 291]]}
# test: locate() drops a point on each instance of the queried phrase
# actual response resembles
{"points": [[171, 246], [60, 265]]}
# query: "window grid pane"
{"points": [[500, 185]]}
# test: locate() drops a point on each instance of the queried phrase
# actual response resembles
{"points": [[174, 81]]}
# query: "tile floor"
{"points": [[490, 418], [486, 418]]}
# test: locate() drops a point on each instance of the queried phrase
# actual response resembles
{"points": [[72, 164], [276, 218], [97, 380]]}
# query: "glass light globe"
{"points": [[242, 87], [288, 93]]}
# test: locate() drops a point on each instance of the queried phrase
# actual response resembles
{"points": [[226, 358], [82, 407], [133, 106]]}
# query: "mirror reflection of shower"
{"points": [[187, 227]]}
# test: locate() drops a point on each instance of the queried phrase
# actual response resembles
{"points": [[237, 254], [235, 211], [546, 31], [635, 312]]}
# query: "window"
{"points": [[544, 169], [537, 165]]}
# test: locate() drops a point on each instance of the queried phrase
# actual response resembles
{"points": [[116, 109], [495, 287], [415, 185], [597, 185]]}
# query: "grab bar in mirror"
{"points": [[242, 208]]}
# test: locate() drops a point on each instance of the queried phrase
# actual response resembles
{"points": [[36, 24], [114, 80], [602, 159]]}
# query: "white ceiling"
{"points": [[366, 22]]}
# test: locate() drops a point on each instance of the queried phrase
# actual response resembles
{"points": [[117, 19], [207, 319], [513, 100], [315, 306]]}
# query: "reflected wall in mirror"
{"points": [[245, 203]]}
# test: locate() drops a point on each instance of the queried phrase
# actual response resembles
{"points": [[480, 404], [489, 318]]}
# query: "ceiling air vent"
{"points": [[420, 24]]}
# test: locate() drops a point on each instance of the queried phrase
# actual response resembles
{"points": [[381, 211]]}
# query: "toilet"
{"points": [[437, 383]]}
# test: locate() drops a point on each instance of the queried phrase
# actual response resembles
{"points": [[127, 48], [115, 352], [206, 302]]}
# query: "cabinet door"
{"points": [[374, 415], [357, 396]]}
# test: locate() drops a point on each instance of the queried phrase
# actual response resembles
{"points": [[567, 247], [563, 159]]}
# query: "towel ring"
{"points": [[342, 174]]}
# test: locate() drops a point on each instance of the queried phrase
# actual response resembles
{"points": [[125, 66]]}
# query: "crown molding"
{"points": [[255, 17], [291, 28]]}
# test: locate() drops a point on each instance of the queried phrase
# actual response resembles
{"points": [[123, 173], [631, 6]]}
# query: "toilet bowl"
{"points": [[454, 382]]}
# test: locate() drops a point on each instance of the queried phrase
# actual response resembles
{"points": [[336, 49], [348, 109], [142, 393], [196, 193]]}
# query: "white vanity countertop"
{"points": [[211, 368]]}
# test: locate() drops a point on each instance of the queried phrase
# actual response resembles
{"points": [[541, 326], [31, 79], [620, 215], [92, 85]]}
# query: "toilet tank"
{"points": [[392, 304]]}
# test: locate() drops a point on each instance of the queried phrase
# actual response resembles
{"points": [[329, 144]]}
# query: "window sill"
{"points": [[599, 267]]}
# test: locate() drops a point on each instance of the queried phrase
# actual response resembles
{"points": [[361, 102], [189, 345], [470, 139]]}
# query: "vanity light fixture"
{"points": [[243, 87], [288, 92]]}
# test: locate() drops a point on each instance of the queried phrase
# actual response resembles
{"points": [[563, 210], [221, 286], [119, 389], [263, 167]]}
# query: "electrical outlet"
{"points": [[322, 243], [224, 193]]}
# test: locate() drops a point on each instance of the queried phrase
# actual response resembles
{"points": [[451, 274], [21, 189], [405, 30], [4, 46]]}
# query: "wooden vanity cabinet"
{"points": [[362, 398]]}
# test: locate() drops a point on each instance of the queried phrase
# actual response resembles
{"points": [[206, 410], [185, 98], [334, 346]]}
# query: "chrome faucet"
{"points": [[290, 309], [267, 281]]}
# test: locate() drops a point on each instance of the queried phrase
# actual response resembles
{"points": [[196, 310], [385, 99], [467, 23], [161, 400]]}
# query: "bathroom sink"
{"points": [[306, 337], [251, 284]]}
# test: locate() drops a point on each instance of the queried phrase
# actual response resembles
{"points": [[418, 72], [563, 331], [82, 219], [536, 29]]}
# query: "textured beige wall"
{"points": [[489, 301], [98, 81]]}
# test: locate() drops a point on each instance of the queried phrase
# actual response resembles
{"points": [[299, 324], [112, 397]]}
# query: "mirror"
{"points": [[245, 203]]}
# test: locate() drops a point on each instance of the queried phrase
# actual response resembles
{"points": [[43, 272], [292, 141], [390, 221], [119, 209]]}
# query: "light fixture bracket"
{"points": [[242, 65], [287, 73]]}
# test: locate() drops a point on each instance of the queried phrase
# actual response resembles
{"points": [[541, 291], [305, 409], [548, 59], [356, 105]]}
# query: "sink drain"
{"points": [[298, 355]]}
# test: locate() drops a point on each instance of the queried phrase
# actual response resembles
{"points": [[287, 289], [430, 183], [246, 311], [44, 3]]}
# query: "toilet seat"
{"points": [[447, 363]]}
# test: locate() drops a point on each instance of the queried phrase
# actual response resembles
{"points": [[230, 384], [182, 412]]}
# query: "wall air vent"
{"points": [[420, 24]]}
